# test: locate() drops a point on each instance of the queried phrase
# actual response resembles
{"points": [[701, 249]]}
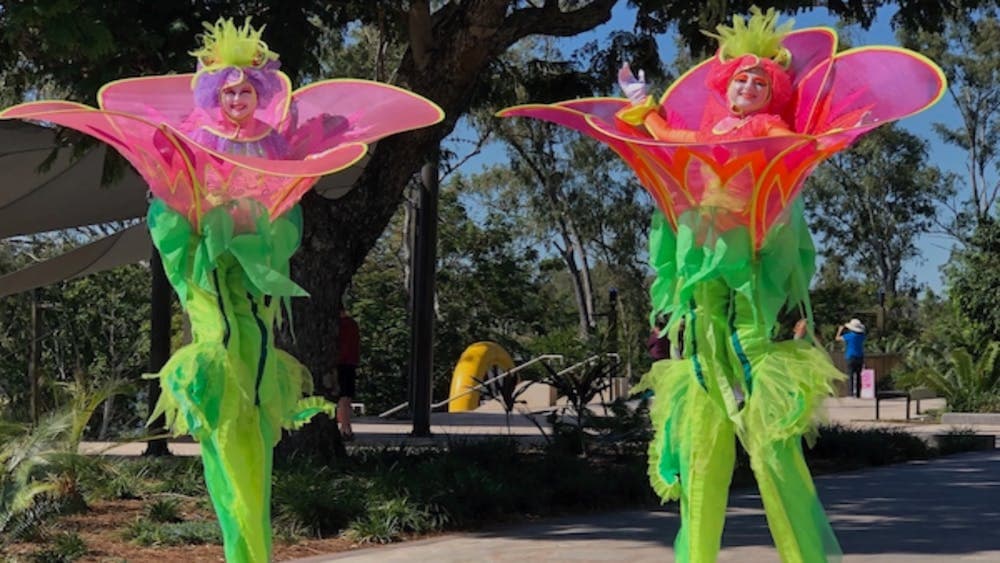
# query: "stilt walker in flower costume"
{"points": [[228, 163], [724, 153]]}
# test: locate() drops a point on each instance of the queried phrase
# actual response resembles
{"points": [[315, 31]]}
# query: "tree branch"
{"points": [[551, 20], [421, 33]]}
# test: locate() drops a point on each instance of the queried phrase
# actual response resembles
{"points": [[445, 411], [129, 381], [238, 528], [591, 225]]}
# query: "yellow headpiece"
{"points": [[226, 45], [755, 36]]}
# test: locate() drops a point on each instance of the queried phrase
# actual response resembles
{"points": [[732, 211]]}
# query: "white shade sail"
{"points": [[127, 246], [68, 194]]}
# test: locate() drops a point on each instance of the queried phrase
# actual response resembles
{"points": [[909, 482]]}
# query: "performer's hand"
{"points": [[635, 89]]}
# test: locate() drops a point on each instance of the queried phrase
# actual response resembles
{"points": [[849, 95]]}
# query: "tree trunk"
{"points": [[449, 50]]}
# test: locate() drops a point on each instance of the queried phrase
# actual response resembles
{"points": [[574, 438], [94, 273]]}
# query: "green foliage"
{"points": [[179, 476], [580, 386], [391, 519], [41, 464], [164, 510], [964, 440], [867, 447], [148, 533], [965, 49], [871, 223], [968, 383], [92, 331], [27, 473], [289, 530], [65, 547], [317, 499], [973, 279], [126, 481]]}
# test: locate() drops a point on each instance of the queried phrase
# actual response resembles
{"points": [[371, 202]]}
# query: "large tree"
{"points": [[966, 50], [870, 204]]}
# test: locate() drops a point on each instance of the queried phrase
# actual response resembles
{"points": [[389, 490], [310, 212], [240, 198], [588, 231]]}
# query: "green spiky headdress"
{"points": [[230, 54], [754, 43], [757, 35], [224, 45]]}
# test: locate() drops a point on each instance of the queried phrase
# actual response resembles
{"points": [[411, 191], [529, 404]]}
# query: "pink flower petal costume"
{"points": [[228, 152], [730, 248]]}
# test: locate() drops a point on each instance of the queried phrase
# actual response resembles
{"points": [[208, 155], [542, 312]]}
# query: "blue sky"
{"points": [[935, 248]]}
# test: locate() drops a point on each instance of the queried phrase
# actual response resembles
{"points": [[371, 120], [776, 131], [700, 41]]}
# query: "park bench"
{"points": [[913, 394]]}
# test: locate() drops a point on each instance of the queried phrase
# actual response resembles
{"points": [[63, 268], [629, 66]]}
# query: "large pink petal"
{"points": [[331, 112], [140, 141], [870, 86]]}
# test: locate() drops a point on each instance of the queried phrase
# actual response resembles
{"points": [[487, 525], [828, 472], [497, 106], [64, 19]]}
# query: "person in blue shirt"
{"points": [[854, 353]]}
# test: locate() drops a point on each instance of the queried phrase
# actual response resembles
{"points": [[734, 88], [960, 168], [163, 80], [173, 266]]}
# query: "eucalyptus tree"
{"points": [[871, 204], [966, 49]]}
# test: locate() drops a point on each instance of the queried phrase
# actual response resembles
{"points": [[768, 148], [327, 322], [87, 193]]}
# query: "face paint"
{"points": [[239, 102], [749, 91]]}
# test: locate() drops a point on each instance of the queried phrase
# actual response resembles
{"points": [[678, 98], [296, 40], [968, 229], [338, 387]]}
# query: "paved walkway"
{"points": [[445, 427], [939, 511]]}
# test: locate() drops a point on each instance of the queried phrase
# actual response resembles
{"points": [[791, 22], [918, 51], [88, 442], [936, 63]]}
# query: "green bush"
{"points": [[289, 530], [164, 510], [388, 520], [179, 475], [147, 533], [962, 440], [66, 546], [317, 499], [854, 447], [968, 382]]}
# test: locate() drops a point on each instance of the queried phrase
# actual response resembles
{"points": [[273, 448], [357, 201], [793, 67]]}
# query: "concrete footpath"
{"points": [[943, 510], [487, 423]]}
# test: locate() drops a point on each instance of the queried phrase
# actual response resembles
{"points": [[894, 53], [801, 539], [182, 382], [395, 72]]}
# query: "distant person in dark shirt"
{"points": [[854, 353], [348, 357], [658, 343]]}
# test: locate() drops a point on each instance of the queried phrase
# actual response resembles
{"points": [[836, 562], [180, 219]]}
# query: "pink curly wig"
{"points": [[781, 83]]}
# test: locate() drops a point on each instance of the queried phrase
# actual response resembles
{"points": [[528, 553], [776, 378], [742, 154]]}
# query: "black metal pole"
{"points": [[159, 344], [422, 315], [34, 359]]}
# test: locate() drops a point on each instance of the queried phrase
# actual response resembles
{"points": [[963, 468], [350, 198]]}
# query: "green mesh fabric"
{"points": [[735, 380], [231, 388], [776, 276]]}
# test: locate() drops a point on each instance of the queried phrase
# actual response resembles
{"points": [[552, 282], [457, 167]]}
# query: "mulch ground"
{"points": [[102, 529]]}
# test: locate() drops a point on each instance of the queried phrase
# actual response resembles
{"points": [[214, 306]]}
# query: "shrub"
{"points": [[289, 530], [147, 533], [66, 547], [164, 510], [867, 446], [318, 499], [390, 519], [968, 383]]}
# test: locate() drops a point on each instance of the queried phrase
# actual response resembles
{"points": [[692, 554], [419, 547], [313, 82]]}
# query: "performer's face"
{"points": [[239, 101], [749, 91]]}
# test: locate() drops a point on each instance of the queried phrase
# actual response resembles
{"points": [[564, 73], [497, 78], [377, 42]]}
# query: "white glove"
{"points": [[635, 89]]}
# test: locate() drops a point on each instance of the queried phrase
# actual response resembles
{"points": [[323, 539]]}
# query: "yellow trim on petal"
{"points": [[634, 115]]}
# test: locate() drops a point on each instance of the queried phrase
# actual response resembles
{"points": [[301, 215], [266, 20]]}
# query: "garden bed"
{"points": [[148, 510]]}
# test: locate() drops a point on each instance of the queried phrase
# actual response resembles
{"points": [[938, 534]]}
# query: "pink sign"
{"points": [[867, 384]]}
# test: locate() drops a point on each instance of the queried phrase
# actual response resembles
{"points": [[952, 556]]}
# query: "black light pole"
{"points": [[159, 343], [422, 313]]}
